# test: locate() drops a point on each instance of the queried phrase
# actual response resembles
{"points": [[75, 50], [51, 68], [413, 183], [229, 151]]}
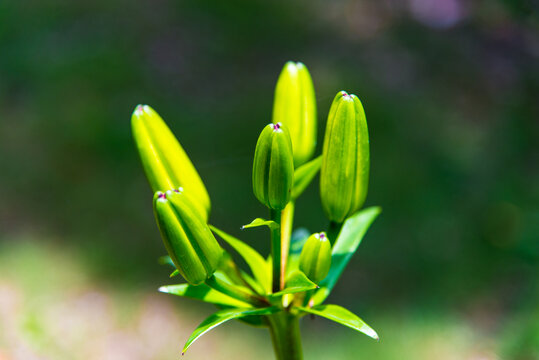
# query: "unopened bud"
{"points": [[187, 238], [165, 163], [315, 258], [344, 175], [273, 167], [295, 106]]}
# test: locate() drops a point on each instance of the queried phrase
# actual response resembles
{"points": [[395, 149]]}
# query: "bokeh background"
{"points": [[450, 270]]}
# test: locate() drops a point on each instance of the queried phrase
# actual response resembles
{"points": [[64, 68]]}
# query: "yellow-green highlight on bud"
{"points": [[315, 257], [187, 238], [165, 163], [344, 175], [273, 167], [295, 107]]}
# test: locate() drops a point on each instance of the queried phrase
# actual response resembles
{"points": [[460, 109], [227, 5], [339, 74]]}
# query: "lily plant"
{"points": [[295, 279]]}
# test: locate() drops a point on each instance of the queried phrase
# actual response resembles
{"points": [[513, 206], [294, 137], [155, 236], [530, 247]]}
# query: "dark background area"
{"points": [[450, 89]]}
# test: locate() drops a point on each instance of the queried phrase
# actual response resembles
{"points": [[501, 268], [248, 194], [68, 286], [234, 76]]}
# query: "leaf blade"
{"points": [[256, 262], [221, 317], [202, 293], [261, 222], [342, 316], [296, 282], [349, 239], [176, 272]]}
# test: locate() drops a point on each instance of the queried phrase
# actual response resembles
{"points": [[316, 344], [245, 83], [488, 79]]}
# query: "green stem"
{"points": [[333, 231], [285, 335], [287, 219], [276, 250], [235, 292]]}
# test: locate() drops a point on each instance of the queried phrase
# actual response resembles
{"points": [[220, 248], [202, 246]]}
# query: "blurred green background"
{"points": [[450, 270]]}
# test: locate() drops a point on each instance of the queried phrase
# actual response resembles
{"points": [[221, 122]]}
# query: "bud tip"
{"points": [[277, 126], [139, 109]]}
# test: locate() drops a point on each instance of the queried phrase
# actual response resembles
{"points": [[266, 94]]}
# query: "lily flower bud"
{"points": [[344, 175], [315, 258], [295, 106], [165, 163], [273, 167], [187, 238]]}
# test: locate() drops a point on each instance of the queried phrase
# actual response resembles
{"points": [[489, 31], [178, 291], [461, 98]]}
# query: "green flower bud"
{"points": [[165, 163], [315, 258], [188, 239], [344, 175], [295, 106], [273, 167]]}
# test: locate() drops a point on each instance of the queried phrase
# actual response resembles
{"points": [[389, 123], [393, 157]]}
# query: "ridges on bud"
{"points": [[295, 106], [344, 174], [187, 238], [165, 163], [315, 257], [273, 167]]}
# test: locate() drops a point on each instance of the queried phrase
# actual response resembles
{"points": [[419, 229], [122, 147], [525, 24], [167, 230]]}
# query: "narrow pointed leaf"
{"points": [[346, 245], [203, 293], [261, 222], [236, 276], [342, 316], [298, 238], [304, 175], [223, 316], [257, 321], [296, 282], [165, 260], [174, 273], [260, 269]]}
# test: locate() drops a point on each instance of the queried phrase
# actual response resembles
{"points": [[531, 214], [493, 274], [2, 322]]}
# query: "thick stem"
{"points": [[287, 219], [276, 250], [235, 292], [333, 231], [285, 335]]}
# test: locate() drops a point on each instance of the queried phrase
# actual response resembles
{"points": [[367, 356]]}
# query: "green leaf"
{"points": [[223, 316], [232, 274], [260, 269], [261, 222], [203, 293], [298, 238], [296, 282], [258, 321], [350, 237], [303, 176], [174, 273], [165, 260], [342, 316]]}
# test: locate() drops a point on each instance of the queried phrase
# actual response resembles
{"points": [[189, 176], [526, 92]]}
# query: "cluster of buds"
{"points": [[283, 166]]}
